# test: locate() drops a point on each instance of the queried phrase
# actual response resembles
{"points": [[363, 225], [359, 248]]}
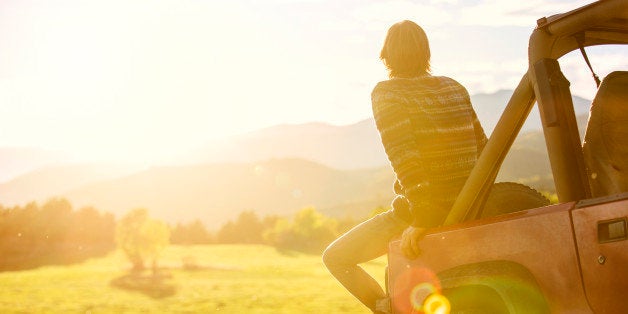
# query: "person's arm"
{"points": [[392, 118], [412, 235]]}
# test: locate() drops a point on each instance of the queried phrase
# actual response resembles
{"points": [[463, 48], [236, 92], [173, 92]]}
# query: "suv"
{"points": [[569, 257]]}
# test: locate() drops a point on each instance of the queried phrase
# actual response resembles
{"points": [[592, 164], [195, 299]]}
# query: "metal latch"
{"points": [[611, 230]]}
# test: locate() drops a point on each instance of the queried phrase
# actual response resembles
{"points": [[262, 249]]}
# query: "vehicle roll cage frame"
{"points": [[603, 22]]}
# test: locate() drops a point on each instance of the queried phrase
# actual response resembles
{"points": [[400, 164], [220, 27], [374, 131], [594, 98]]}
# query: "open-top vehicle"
{"points": [[513, 254]]}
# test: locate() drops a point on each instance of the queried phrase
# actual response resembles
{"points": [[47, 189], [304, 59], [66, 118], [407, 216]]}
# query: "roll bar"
{"points": [[602, 22]]}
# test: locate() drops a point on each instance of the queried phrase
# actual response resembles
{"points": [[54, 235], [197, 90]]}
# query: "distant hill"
{"points": [[345, 147], [528, 162], [41, 184], [489, 108], [15, 161], [218, 192], [351, 146], [341, 170]]}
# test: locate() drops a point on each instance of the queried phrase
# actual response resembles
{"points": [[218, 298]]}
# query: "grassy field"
{"points": [[228, 279]]}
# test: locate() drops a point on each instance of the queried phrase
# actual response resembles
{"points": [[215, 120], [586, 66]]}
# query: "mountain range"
{"points": [[352, 146], [341, 170]]}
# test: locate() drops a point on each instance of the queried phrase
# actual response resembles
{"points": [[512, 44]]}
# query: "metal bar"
{"points": [[561, 131], [475, 190]]}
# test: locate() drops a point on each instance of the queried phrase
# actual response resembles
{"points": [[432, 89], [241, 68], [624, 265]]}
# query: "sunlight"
{"points": [[199, 156], [161, 79], [146, 81]]}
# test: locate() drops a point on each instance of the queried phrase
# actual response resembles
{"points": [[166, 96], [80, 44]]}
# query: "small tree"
{"points": [[155, 236], [141, 237]]}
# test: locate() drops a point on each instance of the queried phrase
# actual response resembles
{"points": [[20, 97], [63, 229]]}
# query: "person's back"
{"points": [[432, 138]]}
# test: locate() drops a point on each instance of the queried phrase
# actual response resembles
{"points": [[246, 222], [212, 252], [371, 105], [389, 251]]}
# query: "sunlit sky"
{"points": [[144, 79]]}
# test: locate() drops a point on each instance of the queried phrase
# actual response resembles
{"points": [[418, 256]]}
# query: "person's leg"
{"points": [[363, 243]]}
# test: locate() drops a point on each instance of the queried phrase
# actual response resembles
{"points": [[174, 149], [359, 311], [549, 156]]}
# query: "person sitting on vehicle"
{"points": [[432, 138]]}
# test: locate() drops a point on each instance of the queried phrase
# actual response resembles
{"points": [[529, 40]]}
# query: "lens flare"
{"points": [[437, 304], [412, 287], [420, 294]]}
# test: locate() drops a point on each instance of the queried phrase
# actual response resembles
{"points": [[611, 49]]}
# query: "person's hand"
{"points": [[410, 241]]}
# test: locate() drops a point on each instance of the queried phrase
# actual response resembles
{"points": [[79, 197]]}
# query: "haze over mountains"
{"points": [[341, 170], [16, 161]]}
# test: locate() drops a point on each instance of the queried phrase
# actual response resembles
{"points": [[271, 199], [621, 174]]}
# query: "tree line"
{"points": [[55, 233], [308, 230]]}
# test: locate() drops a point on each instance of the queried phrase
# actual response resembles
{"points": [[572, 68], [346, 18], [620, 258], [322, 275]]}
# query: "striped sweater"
{"points": [[432, 137]]}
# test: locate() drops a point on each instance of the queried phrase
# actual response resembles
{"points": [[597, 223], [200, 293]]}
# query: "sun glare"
{"points": [[162, 78], [141, 80]]}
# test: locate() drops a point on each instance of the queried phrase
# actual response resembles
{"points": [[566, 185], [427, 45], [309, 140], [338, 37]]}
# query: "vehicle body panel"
{"points": [[530, 238], [604, 265]]}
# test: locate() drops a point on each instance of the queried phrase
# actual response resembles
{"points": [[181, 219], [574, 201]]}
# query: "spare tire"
{"points": [[510, 197]]}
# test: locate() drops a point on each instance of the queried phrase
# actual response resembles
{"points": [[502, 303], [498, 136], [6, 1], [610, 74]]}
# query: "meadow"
{"points": [[192, 279]]}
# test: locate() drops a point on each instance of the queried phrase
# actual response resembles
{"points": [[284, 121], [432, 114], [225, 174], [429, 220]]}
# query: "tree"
{"points": [[92, 230], [315, 229], [247, 228], [227, 233], [309, 231], [141, 238], [33, 235], [155, 237], [198, 234], [193, 233]]}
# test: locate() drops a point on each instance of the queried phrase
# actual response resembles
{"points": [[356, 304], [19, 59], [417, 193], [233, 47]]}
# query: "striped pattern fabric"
{"points": [[432, 137]]}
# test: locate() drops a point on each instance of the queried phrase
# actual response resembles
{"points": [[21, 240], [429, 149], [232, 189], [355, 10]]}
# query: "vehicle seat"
{"points": [[605, 144]]}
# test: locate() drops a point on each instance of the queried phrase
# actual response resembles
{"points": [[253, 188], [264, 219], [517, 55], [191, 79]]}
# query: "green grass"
{"points": [[229, 279]]}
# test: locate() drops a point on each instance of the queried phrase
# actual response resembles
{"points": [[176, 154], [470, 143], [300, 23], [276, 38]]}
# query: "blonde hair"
{"points": [[406, 51]]}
